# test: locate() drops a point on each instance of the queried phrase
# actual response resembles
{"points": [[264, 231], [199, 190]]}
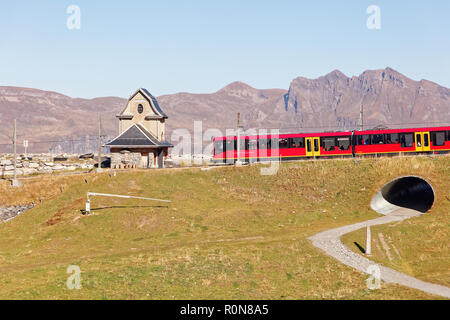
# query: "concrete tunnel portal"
{"points": [[407, 192]]}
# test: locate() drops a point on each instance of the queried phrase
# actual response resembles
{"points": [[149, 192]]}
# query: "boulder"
{"points": [[5, 162], [28, 171], [10, 173], [33, 165]]}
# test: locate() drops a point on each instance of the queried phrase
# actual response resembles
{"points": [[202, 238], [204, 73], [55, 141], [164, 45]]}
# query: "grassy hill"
{"points": [[229, 233]]}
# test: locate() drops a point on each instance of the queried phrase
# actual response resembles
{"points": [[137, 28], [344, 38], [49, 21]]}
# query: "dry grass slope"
{"points": [[229, 233]]}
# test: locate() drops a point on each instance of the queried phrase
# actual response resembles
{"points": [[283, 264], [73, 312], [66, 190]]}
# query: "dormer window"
{"points": [[140, 109]]}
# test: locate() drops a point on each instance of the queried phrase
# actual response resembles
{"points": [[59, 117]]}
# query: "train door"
{"points": [[422, 141], [312, 147]]}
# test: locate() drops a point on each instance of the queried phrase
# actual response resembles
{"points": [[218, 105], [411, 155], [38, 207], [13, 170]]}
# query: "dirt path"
{"points": [[329, 241]]}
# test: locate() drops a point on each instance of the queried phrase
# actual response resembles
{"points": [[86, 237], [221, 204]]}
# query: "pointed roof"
{"points": [[153, 102], [137, 137]]}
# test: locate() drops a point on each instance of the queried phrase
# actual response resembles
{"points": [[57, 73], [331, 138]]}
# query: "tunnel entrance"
{"points": [[407, 192]]}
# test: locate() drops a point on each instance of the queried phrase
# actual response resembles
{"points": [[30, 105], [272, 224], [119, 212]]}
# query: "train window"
{"points": [[406, 140], [343, 143], [230, 145], [391, 138], [364, 139], [283, 143], [308, 145], [274, 143], [263, 144], [328, 143], [438, 138], [448, 135], [426, 139], [377, 139], [297, 142], [242, 143], [316, 145], [218, 146], [252, 144]]}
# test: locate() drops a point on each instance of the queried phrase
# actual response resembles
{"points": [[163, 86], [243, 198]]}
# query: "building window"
{"points": [[140, 108]]}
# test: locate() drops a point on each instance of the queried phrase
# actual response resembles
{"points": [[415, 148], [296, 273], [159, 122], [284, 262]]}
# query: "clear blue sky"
{"points": [[200, 46]]}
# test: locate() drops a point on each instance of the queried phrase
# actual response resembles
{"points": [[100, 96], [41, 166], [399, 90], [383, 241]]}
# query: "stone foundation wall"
{"points": [[36, 166], [126, 160]]}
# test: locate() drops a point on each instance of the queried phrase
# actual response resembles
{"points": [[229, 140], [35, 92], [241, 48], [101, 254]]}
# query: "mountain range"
{"points": [[328, 103]]}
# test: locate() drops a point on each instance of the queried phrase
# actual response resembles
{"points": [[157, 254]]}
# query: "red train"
{"points": [[331, 144]]}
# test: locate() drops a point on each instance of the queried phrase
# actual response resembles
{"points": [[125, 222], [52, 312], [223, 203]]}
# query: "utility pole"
{"points": [[238, 162], [361, 113], [15, 182], [99, 169], [25, 145], [15, 149]]}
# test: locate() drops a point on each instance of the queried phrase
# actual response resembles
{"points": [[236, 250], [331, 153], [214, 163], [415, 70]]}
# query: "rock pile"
{"points": [[25, 167], [8, 213]]}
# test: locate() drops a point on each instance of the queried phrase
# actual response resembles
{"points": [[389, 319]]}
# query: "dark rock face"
{"points": [[388, 98]]}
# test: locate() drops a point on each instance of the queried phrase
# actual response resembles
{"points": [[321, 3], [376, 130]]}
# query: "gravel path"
{"points": [[329, 241]]}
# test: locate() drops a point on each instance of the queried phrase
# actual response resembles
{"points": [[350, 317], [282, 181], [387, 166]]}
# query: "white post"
{"points": [[25, 144], [88, 206], [368, 242]]}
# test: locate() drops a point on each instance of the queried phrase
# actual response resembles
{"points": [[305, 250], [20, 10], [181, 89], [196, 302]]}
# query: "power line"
{"points": [[68, 140]]}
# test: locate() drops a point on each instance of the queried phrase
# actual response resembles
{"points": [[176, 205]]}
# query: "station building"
{"points": [[141, 141]]}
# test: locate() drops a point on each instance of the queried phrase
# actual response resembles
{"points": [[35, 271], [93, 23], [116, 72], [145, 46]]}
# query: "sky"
{"points": [[201, 46]]}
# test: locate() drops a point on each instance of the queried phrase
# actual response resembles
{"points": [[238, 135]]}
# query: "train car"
{"points": [[295, 146]]}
